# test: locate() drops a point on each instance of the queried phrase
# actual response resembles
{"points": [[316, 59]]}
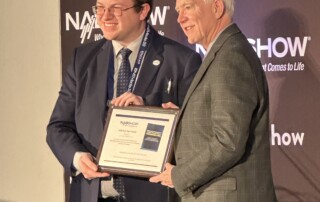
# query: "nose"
{"points": [[181, 17]]}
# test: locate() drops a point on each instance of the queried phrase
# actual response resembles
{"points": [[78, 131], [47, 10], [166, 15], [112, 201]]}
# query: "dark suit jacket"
{"points": [[222, 147], [78, 118]]}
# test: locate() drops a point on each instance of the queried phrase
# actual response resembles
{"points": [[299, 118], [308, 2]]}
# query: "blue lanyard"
{"points": [[142, 51]]}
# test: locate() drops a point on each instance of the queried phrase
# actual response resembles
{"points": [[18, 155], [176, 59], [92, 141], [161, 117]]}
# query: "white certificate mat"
{"points": [[137, 140]]}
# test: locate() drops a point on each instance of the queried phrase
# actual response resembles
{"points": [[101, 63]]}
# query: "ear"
{"points": [[218, 8], [144, 11]]}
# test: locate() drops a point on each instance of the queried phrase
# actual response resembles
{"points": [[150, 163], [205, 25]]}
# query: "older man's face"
{"points": [[196, 20]]}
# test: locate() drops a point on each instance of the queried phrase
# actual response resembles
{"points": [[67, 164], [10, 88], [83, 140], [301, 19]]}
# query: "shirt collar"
{"points": [[215, 39], [133, 46]]}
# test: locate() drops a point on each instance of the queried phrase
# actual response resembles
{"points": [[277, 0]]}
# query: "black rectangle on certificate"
{"points": [[152, 137]]}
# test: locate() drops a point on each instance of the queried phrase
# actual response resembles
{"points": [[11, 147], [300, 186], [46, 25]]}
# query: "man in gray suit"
{"points": [[75, 129], [222, 148]]}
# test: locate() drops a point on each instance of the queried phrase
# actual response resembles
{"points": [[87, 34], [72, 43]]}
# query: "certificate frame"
{"points": [[137, 140]]}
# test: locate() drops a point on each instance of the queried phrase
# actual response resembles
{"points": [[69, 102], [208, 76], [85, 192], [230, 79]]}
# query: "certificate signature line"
{"points": [[139, 164], [142, 117]]}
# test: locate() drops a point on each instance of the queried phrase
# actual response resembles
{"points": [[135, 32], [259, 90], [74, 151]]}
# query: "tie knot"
{"points": [[125, 52]]}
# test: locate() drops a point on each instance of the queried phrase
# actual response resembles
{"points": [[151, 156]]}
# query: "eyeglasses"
{"points": [[117, 11]]}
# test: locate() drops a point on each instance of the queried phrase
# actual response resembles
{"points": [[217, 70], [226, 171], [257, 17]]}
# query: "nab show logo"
{"points": [[86, 22], [159, 14], [158, 17], [286, 138], [280, 48], [129, 123]]}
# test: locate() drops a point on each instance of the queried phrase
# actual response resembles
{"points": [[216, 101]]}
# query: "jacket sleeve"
{"points": [[62, 136]]}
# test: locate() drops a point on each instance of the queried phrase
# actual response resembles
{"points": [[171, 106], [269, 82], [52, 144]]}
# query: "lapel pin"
{"points": [[156, 62]]}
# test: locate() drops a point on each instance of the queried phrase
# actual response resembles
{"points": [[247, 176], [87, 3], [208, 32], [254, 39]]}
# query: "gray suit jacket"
{"points": [[222, 147], [78, 118]]}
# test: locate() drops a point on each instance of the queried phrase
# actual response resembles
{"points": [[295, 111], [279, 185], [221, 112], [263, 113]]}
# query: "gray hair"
{"points": [[229, 5]]}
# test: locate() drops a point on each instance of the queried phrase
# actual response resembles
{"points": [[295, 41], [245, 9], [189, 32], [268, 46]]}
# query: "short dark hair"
{"points": [[140, 2]]}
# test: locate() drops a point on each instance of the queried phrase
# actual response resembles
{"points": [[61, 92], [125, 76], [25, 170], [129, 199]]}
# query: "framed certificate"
{"points": [[137, 141]]}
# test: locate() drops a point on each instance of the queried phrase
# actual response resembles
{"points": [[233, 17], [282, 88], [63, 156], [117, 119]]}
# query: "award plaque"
{"points": [[137, 141]]}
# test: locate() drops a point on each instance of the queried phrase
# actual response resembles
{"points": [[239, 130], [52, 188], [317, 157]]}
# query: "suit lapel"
{"points": [[150, 66], [232, 29], [196, 80], [103, 60]]}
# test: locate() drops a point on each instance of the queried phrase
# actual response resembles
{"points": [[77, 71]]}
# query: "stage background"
{"points": [[285, 35], [30, 78]]}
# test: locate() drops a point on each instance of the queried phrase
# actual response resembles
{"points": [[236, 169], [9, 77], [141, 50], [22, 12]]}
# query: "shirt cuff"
{"points": [[76, 159]]}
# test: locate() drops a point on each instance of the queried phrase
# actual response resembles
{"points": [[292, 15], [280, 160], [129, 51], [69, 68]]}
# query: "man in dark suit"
{"points": [[164, 74], [222, 147]]}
